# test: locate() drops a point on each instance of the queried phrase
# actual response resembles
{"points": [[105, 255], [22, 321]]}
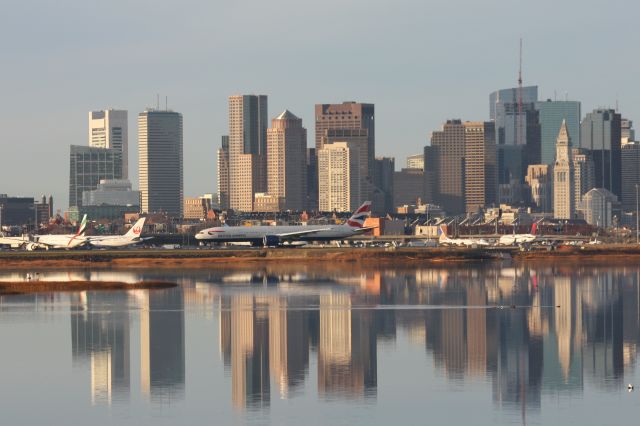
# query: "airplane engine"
{"points": [[32, 247], [271, 241]]}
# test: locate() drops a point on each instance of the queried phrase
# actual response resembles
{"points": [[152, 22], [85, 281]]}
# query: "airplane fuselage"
{"points": [[257, 234]]}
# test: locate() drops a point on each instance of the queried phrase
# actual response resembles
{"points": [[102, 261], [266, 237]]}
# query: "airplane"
{"points": [[130, 238], [514, 239], [468, 242], [269, 236], [66, 241]]}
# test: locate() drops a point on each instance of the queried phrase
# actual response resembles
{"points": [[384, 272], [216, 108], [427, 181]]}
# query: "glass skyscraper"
{"points": [[551, 113]]}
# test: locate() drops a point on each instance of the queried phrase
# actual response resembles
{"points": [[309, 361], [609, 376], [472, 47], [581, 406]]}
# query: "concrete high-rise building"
{"points": [[583, 174], [408, 187], [627, 134], [160, 163], [464, 164], [338, 178], [110, 129], [480, 171], [551, 115], [446, 163], [349, 122], [630, 175], [223, 173], [247, 149], [540, 183], [601, 134], [286, 161], [88, 166], [358, 142], [563, 177], [415, 161], [312, 179]]}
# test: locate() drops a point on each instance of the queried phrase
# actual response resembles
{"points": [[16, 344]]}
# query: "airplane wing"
{"points": [[364, 229], [301, 233]]}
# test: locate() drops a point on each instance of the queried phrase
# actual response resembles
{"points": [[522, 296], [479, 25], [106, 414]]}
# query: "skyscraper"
{"points": [[447, 164], [551, 114], [357, 121], [338, 178], [110, 129], [480, 165], [160, 161], [415, 161], [540, 180], [583, 174], [601, 134], [628, 133], [286, 160], [384, 168], [223, 173], [247, 149], [563, 179], [88, 166], [630, 175]]}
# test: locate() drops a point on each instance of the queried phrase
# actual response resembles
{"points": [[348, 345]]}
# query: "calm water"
{"points": [[317, 345]]}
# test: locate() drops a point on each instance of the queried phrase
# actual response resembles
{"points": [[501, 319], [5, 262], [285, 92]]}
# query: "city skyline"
{"points": [[433, 85]]}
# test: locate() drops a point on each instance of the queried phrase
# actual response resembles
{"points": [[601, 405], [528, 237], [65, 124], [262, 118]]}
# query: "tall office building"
{"points": [[110, 129], [338, 178], [312, 179], [563, 180], [223, 173], [447, 165], [464, 164], [601, 134], [247, 149], [480, 174], [408, 187], [88, 166], [630, 175], [360, 120], [415, 161], [384, 168], [160, 161], [628, 134], [551, 114], [286, 161], [583, 174], [540, 183]]}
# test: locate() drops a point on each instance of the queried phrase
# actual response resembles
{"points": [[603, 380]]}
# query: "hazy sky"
{"points": [[419, 61]]}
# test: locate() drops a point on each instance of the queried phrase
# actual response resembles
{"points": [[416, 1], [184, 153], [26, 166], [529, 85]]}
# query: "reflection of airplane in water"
{"points": [[277, 235], [469, 242]]}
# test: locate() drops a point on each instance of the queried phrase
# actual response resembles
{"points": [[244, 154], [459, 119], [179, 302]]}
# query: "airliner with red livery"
{"points": [[270, 236]]}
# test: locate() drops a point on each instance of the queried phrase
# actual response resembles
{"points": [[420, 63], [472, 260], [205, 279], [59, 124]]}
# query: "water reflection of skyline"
{"points": [[274, 325]]}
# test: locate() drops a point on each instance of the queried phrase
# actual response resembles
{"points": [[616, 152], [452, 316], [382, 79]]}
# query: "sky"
{"points": [[420, 62]]}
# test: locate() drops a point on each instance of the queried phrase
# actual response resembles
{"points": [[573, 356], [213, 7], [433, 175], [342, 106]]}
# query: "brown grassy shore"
{"points": [[29, 287], [593, 254], [206, 257]]}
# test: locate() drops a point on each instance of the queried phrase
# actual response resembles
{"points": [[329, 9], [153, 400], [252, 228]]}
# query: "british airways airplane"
{"points": [[269, 236]]}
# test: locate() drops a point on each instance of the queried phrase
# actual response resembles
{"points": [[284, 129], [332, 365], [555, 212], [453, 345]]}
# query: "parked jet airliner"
{"points": [[132, 237], [269, 236]]}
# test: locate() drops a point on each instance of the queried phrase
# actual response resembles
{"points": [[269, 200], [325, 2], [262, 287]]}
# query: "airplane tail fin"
{"points": [[83, 226], [358, 217], [136, 229], [534, 228], [442, 231]]}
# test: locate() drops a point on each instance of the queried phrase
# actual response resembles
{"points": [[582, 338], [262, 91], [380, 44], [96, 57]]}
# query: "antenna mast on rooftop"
{"points": [[519, 140]]}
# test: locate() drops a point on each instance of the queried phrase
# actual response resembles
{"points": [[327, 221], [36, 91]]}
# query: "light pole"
{"points": [[637, 218]]}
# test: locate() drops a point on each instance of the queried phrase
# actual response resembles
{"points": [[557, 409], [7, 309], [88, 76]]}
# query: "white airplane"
{"points": [[269, 236], [468, 242], [66, 241], [514, 239], [132, 237]]}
